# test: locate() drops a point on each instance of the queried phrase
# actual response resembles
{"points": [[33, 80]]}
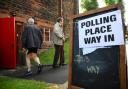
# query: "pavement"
{"points": [[57, 76]]}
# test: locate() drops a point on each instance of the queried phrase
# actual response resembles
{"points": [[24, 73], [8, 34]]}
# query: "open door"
{"points": [[7, 43]]}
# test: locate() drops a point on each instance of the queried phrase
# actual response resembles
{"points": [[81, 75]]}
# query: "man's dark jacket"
{"points": [[31, 37]]}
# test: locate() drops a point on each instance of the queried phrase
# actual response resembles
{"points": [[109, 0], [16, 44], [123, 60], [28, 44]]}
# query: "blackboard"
{"points": [[99, 69]]}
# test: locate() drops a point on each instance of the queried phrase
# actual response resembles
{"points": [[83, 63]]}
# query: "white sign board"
{"points": [[101, 30]]}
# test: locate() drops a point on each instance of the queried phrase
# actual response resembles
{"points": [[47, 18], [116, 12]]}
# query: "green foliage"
{"points": [[15, 83], [66, 51], [47, 57], [89, 4], [110, 2]]}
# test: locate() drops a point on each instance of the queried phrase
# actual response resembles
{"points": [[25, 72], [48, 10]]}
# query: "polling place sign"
{"points": [[97, 56], [101, 30]]}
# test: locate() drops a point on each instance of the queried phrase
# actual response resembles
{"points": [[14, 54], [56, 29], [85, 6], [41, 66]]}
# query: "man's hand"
{"points": [[23, 50], [63, 39]]}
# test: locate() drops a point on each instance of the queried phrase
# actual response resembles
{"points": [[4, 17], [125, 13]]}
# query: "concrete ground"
{"points": [[56, 76]]}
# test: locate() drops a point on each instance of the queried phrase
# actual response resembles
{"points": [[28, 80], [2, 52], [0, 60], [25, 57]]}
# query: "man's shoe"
{"points": [[39, 70], [62, 64], [55, 66], [28, 73]]}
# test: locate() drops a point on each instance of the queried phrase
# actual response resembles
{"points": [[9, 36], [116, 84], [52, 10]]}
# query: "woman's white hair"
{"points": [[30, 21]]}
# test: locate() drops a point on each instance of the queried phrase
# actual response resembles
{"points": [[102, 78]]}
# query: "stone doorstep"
{"points": [[59, 86], [18, 68], [64, 86]]}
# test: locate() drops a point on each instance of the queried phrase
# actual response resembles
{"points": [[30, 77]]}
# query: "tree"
{"points": [[110, 2], [89, 4]]}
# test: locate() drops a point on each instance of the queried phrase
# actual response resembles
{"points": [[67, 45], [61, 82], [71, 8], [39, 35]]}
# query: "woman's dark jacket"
{"points": [[31, 37]]}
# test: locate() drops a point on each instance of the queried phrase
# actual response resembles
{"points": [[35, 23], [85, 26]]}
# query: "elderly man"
{"points": [[31, 41], [58, 40]]}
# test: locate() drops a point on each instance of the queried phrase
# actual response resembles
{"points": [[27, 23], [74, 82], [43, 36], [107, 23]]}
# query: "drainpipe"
{"points": [[61, 11], [61, 8]]}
